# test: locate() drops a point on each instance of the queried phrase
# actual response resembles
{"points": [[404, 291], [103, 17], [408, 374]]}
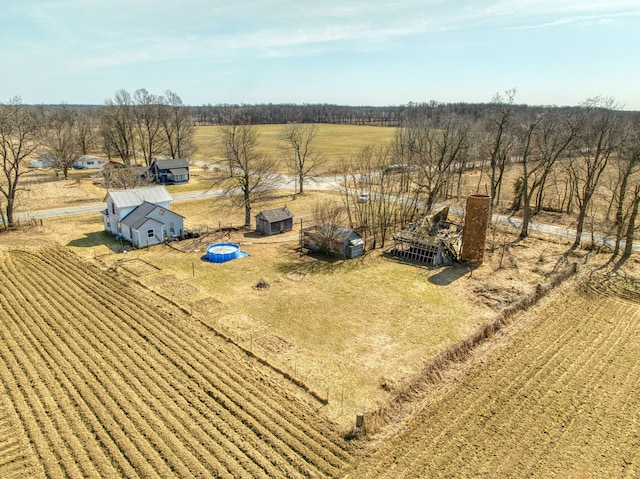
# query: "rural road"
{"points": [[325, 184]]}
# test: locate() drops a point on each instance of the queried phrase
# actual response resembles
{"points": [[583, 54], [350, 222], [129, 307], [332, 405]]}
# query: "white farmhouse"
{"points": [[142, 216]]}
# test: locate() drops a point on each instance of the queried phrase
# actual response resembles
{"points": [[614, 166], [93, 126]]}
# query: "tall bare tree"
{"points": [[86, 127], [543, 139], [20, 137], [117, 127], [303, 156], [250, 174], [387, 205], [437, 149], [499, 140], [147, 124], [628, 166], [599, 137], [177, 126], [62, 138]]}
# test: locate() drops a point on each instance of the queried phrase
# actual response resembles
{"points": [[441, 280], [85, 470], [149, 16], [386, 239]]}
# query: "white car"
{"points": [[363, 197]]}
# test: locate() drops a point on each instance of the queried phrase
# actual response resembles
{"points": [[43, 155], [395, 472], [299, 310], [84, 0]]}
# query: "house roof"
{"points": [[279, 214], [137, 196], [178, 171], [171, 163], [140, 215]]}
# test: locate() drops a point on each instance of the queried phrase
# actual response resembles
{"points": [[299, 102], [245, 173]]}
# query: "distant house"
{"points": [[271, 222], [142, 216], [87, 162], [169, 172], [334, 240]]}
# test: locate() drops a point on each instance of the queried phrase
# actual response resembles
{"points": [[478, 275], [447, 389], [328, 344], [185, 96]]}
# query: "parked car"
{"points": [[363, 197]]}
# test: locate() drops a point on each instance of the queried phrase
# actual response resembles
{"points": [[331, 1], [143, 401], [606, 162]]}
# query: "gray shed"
{"points": [[333, 240], [271, 222]]}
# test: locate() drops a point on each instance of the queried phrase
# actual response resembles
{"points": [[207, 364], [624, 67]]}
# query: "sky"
{"points": [[347, 52]]}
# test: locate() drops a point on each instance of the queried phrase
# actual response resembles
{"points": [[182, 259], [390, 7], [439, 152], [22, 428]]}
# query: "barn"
{"points": [[271, 222]]}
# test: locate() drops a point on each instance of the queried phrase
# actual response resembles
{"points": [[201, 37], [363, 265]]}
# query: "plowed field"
{"points": [[559, 397], [101, 378]]}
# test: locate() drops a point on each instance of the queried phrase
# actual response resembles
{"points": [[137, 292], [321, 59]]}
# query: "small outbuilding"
{"points": [[271, 222], [333, 240]]}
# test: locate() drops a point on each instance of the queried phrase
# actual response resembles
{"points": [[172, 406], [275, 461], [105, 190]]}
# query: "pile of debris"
{"points": [[432, 239]]}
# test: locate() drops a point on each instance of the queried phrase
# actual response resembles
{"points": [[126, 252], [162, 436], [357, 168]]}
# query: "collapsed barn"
{"points": [[433, 240]]}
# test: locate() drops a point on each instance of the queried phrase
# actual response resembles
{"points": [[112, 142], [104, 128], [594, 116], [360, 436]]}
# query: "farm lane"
{"points": [[325, 184]]}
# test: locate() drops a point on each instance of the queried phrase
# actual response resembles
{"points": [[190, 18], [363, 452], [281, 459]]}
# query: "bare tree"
{"points": [[598, 139], [543, 139], [376, 201], [61, 138], [250, 174], [631, 224], [86, 126], [147, 124], [122, 178], [304, 158], [330, 218], [116, 127], [20, 137], [437, 149], [177, 126], [628, 166], [500, 142]]}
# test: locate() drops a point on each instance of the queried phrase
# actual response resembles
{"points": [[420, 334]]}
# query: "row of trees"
{"points": [[559, 155], [133, 129]]}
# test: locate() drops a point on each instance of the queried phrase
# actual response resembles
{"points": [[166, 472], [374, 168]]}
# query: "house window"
{"points": [[171, 229], [149, 233]]}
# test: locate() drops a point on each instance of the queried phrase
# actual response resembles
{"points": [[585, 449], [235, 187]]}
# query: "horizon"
{"points": [[348, 53]]}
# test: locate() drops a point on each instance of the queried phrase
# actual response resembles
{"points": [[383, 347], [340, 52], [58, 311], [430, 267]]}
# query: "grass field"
{"points": [[332, 142]]}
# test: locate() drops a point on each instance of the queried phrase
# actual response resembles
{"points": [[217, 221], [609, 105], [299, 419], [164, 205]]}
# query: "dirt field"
{"points": [[103, 379]]}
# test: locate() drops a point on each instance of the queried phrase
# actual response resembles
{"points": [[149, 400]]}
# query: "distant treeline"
{"points": [[263, 114], [392, 115]]}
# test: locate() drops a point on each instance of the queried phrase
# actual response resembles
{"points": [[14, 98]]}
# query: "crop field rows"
{"points": [[108, 380], [560, 398]]}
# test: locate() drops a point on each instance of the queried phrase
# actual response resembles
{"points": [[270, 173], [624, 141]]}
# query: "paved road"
{"points": [[326, 184]]}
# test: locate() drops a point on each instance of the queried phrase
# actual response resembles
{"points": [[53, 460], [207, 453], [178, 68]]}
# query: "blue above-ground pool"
{"points": [[221, 252]]}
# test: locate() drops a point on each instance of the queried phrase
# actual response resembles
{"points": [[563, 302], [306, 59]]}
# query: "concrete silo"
{"points": [[474, 234]]}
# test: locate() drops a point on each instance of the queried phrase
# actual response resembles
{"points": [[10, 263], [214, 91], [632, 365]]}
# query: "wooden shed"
{"points": [[271, 222]]}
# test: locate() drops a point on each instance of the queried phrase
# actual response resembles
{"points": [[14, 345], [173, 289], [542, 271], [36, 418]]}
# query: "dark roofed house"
{"points": [[169, 172], [271, 222]]}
